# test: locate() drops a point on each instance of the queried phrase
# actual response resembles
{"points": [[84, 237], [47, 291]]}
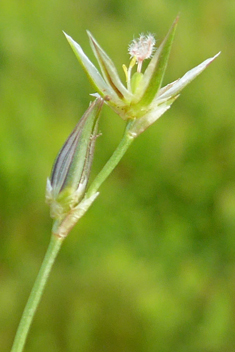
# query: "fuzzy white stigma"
{"points": [[142, 48]]}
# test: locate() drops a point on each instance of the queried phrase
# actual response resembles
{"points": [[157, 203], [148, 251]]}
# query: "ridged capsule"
{"points": [[71, 170]]}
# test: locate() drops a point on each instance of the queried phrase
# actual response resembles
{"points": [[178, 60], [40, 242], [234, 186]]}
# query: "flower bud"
{"points": [[71, 170]]}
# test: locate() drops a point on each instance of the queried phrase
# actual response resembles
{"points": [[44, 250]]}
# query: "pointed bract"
{"points": [[109, 70], [91, 71], [182, 82]]}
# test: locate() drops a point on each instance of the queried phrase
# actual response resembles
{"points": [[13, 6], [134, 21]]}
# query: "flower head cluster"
{"points": [[142, 100]]}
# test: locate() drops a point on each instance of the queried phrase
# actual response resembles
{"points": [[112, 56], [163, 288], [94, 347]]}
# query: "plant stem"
{"points": [[36, 294], [111, 163], [55, 245]]}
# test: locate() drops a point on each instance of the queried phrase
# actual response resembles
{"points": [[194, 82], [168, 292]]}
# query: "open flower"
{"points": [[142, 99]]}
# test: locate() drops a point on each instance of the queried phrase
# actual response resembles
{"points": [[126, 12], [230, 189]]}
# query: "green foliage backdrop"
{"points": [[150, 268]]}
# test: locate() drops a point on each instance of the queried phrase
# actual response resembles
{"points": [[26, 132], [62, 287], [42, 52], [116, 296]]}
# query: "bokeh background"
{"points": [[150, 267]]}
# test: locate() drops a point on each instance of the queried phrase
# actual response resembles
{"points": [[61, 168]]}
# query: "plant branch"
{"points": [[112, 162]]}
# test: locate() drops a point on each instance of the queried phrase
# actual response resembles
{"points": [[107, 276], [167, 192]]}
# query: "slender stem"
{"points": [[36, 294], [111, 163], [55, 245]]}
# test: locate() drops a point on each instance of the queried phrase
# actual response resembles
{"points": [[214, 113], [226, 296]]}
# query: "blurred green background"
{"points": [[151, 265]]}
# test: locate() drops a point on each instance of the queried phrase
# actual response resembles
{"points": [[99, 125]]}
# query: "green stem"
{"points": [[55, 245], [36, 294], [111, 163]]}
